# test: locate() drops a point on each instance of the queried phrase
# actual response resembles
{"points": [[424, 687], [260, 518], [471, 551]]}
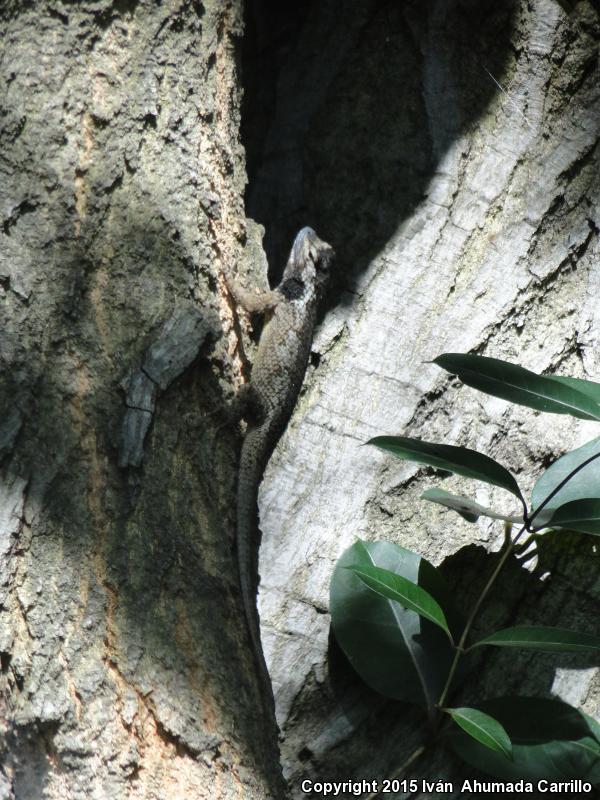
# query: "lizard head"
{"points": [[310, 258]]}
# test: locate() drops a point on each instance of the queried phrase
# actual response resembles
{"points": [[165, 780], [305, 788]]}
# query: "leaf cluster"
{"points": [[394, 617]]}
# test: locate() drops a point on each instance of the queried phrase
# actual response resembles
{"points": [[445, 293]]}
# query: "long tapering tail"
{"points": [[253, 460]]}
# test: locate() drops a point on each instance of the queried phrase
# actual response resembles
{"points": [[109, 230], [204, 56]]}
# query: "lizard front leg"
{"points": [[252, 302]]}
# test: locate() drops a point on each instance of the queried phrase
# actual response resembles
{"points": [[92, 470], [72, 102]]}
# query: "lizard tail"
{"points": [[252, 464]]}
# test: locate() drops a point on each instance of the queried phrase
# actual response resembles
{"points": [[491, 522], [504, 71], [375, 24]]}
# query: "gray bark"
{"points": [[465, 218], [125, 664]]}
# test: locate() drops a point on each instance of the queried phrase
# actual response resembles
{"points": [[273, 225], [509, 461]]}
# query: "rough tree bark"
{"points": [[465, 217], [125, 664]]}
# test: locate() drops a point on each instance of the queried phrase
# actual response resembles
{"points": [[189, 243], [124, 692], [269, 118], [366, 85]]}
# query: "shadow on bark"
{"points": [[350, 109], [134, 566]]}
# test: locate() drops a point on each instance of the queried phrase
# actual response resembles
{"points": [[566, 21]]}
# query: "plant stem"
{"points": [[405, 765], [509, 547], [461, 644]]}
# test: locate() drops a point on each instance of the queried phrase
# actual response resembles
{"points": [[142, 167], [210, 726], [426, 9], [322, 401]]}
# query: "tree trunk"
{"points": [[449, 152], [125, 661]]}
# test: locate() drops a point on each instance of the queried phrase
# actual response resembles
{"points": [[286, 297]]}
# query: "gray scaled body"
{"points": [[268, 400]]}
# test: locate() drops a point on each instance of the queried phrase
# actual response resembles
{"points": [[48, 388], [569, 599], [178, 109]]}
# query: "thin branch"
{"points": [[404, 766]]}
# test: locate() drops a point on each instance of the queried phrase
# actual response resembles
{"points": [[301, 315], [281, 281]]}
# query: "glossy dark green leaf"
{"points": [[589, 388], [467, 508], [540, 637], [396, 651], [578, 515], [519, 385], [583, 486], [410, 595], [550, 740], [483, 728], [460, 460]]}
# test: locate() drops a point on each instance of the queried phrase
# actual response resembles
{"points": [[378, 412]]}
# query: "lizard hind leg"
{"points": [[245, 405], [241, 405], [237, 409]]}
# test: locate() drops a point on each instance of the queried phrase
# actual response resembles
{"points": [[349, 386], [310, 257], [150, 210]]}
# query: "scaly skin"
{"points": [[268, 400]]}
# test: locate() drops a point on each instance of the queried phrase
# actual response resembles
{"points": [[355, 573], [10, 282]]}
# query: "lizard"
{"points": [[267, 401]]}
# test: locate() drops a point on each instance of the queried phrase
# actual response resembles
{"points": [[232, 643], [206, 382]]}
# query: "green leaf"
{"points": [[584, 485], [589, 388], [519, 385], [483, 728], [540, 637], [467, 508], [550, 740], [408, 594], [460, 460], [578, 515], [396, 651]]}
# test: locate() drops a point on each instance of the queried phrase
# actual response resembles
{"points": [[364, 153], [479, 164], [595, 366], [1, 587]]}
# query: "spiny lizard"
{"points": [[267, 401]]}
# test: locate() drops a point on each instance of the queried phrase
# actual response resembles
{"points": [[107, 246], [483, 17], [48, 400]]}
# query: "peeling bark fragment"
{"points": [[141, 392], [141, 401], [177, 346], [135, 427]]}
